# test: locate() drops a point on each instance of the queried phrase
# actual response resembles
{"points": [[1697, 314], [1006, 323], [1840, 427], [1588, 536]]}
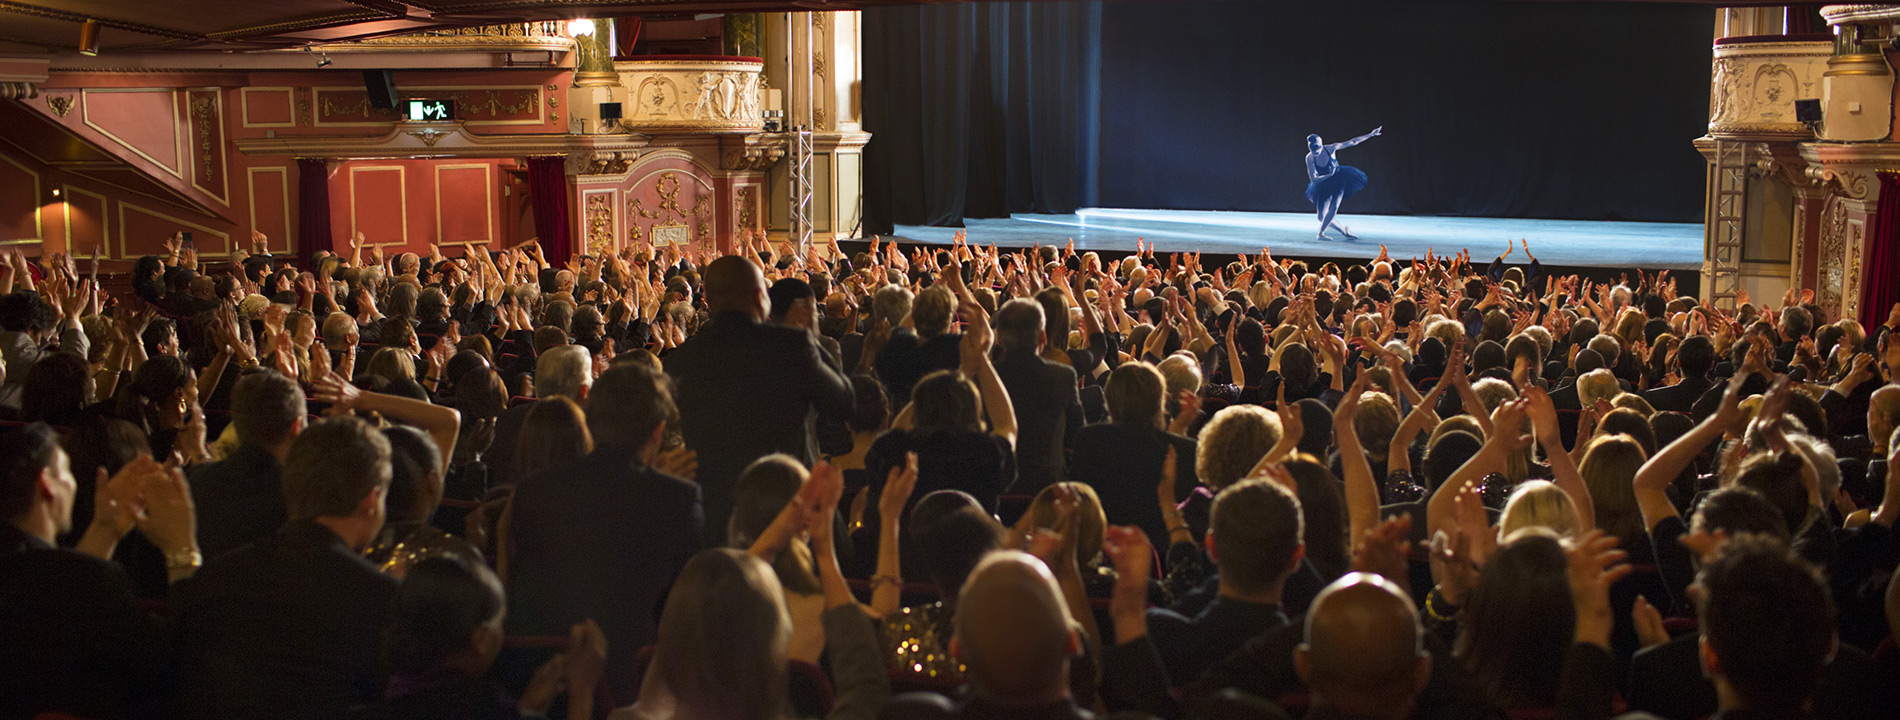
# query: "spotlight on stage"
{"points": [[89, 38], [1808, 112]]}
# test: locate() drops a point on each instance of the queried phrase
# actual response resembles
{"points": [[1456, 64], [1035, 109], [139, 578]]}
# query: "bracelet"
{"points": [[184, 559], [877, 580], [1440, 609]]}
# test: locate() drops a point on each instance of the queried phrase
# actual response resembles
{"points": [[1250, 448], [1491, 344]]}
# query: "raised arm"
{"points": [[1563, 471], [1362, 491], [887, 586], [440, 422], [1653, 479], [1362, 138], [976, 364], [1423, 415], [1441, 511]]}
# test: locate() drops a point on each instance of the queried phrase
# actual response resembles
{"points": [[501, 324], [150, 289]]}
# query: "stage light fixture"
{"points": [[89, 38], [323, 60], [579, 27]]}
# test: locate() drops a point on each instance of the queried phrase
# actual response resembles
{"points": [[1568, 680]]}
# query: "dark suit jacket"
{"points": [[1048, 414], [290, 626], [907, 358], [1123, 465], [746, 390], [75, 640], [239, 500], [1667, 680], [601, 537], [1188, 645], [1679, 397], [502, 449]]}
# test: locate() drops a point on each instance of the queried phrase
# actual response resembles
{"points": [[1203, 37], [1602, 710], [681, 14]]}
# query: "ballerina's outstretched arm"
{"points": [[1362, 138]]}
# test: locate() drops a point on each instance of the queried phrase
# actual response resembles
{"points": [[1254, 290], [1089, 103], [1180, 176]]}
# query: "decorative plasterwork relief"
{"points": [[1855, 245], [1830, 268], [750, 152], [613, 162], [60, 104], [600, 223], [692, 95], [668, 223], [1755, 86]]}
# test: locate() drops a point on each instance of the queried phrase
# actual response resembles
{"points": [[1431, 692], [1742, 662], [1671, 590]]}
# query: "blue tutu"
{"points": [[1343, 182]]}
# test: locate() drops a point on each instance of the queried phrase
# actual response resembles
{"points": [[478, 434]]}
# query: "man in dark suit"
{"points": [[602, 537], [747, 389], [1695, 358], [793, 306], [76, 642], [1255, 540], [240, 499], [566, 370], [291, 626], [1048, 406]]}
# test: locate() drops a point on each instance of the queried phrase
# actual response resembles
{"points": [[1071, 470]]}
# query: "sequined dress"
{"points": [[916, 641]]}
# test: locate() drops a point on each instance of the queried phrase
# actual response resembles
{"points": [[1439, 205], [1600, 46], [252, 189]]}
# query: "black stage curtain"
{"points": [[978, 110], [1499, 109]]}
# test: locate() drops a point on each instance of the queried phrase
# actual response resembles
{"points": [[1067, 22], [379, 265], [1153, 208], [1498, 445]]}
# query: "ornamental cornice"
{"points": [[440, 139], [1860, 13]]}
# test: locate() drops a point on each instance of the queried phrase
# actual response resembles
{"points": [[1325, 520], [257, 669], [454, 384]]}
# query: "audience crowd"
{"points": [[936, 482]]}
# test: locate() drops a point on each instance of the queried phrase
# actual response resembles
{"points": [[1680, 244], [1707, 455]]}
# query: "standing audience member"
{"points": [[603, 536], [747, 389]]}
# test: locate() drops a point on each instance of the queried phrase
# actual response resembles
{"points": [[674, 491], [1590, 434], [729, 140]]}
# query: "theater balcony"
{"points": [[1800, 132]]}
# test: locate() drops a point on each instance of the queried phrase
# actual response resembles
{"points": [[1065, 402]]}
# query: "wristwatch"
{"points": [[183, 559]]}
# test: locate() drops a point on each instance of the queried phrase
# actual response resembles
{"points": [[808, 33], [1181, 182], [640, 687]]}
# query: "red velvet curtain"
{"points": [[313, 211], [1879, 288], [547, 185]]}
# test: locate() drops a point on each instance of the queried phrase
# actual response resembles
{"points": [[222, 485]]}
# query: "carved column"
{"points": [[816, 57], [594, 56]]}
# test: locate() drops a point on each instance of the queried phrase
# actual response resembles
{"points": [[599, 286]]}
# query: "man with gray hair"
{"points": [[565, 370], [1048, 406]]}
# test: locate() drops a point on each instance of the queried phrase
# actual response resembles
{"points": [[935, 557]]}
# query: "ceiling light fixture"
{"points": [[582, 26], [89, 37]]}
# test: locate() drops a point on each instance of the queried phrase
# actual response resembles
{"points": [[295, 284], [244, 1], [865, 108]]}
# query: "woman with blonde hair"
{"points": [[725, 631], [1539, 503]]}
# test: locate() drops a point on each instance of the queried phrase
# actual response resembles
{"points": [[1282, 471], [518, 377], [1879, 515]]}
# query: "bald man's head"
{"points": [[1013, 630], [1883, 412], [1364, 651], [734, 283]]}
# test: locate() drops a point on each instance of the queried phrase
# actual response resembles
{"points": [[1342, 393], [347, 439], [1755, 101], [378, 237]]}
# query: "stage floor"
{"points": [[1565, 243]]}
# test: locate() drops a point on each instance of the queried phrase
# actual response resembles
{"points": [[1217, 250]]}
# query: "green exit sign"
{"points": [[430, 110]]}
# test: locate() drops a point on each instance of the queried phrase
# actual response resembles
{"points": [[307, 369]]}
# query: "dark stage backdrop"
{"points": [[1505, 109]]}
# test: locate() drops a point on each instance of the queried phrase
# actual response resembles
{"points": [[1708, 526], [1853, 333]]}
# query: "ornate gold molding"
{"points": [[1754, 86], [1860, 13], [699, 95], [60, 104]]}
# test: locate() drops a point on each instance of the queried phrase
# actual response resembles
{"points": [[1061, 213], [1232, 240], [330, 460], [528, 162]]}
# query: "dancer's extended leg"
{"points": [[1335, 213], [1327, 208]]}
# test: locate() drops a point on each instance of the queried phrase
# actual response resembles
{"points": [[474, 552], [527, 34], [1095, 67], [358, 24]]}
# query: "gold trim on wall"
{"points": [[123, 205], [39, 225], [540, 118], [290, 103], [105, 220], [488, 202], [402, 200], [208, 116], [178, 131], [250, 180]]}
